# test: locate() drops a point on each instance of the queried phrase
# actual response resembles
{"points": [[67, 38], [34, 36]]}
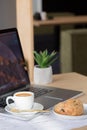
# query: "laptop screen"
{"points": [[13, 74]]}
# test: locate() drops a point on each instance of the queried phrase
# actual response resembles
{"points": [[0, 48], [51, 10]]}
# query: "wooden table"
{"points": [[62, 20], [73, 81]]}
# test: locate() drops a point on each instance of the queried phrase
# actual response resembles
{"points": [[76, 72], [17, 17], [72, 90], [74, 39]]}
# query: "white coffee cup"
{"points": [[43, 15], [23, 100]]}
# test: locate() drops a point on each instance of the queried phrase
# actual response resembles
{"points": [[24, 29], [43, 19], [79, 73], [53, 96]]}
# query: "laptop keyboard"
{"points": [[40, 91]]}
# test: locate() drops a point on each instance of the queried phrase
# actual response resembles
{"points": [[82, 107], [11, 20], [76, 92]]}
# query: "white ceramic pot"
{"points": [[42, 75]]}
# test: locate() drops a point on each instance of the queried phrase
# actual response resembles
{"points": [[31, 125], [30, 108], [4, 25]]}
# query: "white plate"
{"points": [[84, 116], [36, 106]]}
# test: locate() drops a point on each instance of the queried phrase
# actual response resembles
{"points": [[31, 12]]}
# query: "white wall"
{"points": [[37, 6], [7, 13]]}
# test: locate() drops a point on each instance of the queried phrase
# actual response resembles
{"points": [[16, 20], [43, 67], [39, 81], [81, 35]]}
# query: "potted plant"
{"points": [[43, 69]]}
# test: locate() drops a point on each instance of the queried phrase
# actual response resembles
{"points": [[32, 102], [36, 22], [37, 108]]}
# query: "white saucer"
{"points": [[84, 116], [36, 106]]}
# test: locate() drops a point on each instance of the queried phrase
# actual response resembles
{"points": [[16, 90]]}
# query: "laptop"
{"points": [[14, 76]]}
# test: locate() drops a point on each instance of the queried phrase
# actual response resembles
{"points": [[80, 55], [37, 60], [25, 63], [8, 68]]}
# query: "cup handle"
{"points": [[7, 100]]}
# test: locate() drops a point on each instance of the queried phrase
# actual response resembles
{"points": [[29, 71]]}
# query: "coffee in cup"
{"points": [[23, 100]]}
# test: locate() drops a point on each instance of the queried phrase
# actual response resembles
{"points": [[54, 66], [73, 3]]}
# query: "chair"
{"points": [[73, 51]]}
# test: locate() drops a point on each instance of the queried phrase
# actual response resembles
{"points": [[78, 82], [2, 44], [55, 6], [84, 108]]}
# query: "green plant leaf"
{"points": [[44, 59], [37, 58]]}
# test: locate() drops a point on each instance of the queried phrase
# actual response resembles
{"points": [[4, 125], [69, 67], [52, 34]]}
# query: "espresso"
{"points": [[23, 94]]}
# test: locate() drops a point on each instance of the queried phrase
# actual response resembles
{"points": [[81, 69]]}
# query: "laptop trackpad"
{"points": [[48, 101]]}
